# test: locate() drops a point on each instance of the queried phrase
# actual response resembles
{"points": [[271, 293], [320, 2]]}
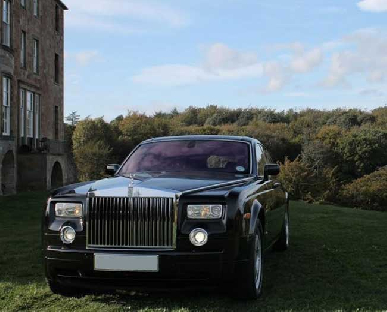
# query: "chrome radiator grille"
{"points": [[124, 222]]}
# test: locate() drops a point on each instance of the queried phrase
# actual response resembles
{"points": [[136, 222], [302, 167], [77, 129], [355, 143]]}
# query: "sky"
{"points": [[152, 55]]}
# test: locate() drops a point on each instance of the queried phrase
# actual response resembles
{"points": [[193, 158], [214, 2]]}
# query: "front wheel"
{"points": [[251, 280]]}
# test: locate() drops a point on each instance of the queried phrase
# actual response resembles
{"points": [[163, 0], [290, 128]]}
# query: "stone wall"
{"points": [[32, 171]]}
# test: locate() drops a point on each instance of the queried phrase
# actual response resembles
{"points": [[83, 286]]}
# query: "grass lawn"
{"points": [[337, 261]]}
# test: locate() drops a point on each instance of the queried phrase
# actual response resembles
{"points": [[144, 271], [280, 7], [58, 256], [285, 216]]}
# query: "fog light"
{"points": [[67, 234], [198, 237]]}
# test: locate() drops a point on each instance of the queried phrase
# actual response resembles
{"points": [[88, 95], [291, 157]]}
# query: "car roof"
{"points": [[203, 138]]}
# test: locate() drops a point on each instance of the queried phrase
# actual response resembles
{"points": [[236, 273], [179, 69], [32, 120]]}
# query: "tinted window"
{"points": [[190, 156]]}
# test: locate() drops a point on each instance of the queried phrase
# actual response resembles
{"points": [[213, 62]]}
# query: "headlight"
{"points": [[68, 210], [67, 234], [205, 211], [198, 237]]}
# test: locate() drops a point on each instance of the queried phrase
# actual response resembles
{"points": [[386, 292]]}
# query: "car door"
{"points": [[272, 197]]}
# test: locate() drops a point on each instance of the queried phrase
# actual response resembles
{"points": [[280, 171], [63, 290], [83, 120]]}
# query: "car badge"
{"points": [[131, 185]]}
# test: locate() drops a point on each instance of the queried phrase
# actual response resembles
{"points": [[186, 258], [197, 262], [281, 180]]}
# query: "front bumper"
{"points": [[176, 270]]}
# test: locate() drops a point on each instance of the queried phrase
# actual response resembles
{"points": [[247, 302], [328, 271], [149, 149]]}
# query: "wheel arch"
{"points": [[257, 214]]}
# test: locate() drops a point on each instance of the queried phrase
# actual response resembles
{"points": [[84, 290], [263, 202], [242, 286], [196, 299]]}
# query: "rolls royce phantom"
{"points": [[187, 211]]}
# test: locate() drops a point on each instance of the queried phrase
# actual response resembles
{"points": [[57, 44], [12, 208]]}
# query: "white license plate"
{"points": [[134, 263]]}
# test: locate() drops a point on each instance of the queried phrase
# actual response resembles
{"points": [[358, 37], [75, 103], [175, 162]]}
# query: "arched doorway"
{"points": [[8, 174], [56, 176]]}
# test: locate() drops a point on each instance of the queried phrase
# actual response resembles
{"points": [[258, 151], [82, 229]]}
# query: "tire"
{"points": [[251, 279], [68, 291], [283, 241]]}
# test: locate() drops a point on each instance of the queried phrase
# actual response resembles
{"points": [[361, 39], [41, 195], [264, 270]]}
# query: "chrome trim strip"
{"points": [[215, 186]]}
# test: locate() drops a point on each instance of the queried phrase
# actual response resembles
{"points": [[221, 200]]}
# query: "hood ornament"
{"points": [[131, 185]]}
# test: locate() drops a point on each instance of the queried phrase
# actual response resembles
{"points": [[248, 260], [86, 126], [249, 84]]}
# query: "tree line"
{"points": [[336, 156]]}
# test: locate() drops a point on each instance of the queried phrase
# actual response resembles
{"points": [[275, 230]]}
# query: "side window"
{"points": [[261, 160]]}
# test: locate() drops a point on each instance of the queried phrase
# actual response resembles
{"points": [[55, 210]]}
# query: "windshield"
{"points": [[190, 156]]}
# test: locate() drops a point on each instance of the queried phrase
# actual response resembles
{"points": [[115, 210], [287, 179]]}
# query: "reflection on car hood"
{"points": [[161, 184]]}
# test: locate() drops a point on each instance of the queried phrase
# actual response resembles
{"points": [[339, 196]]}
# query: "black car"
{"points": [[188, 211]]}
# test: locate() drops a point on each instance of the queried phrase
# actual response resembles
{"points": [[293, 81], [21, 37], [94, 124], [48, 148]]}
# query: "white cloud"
{"points": [[121, 15], [306, 61], [299, 61], [341, 66], [84, 58], [220, 56], [362, 54], [277, 76], [373, 5], [220, 63], [365, 55], [376, 76]]}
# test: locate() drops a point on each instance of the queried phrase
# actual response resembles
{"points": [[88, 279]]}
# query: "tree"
{"points": [[91, 160], [73, 118], [89, 130], [92, 142], [364, 150], [137, 127]]}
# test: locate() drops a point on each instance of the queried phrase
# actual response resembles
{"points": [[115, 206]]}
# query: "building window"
{"points": [[56, 119], [57, 18], [56, 68], [6, 122], [35, 56], [36, 8], [23, 50], [23, 3], [30, 114], [37, 116], [22, 111], [29, 103], [6, 33]]}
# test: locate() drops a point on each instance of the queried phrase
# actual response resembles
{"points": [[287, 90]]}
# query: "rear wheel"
{"points": [[251, 280], [283, 242]]}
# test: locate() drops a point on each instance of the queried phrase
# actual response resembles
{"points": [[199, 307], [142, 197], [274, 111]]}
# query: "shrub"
{"points": [[303, 182], [91, 160], [368, 192], [363, 150]]}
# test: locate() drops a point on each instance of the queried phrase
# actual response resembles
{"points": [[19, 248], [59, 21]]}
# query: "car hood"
{"points": [[153, 185]]}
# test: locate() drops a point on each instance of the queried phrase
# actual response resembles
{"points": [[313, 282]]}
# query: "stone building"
{"points": [[32, 149]]}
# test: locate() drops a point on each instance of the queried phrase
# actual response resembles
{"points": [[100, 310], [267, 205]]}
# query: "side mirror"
{"points": [[271, 169], [112, 169]]}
